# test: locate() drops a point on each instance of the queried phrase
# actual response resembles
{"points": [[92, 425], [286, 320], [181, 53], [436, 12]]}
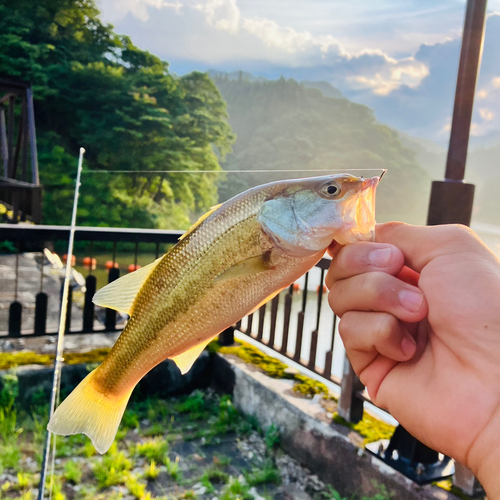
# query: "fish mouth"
{"points": [[359, 214]]}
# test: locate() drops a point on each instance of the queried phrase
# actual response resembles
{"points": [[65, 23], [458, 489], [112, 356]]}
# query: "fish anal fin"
{"points": [[265, 301], [248, 267], [186, 360], [120, 294], [199, 221]]}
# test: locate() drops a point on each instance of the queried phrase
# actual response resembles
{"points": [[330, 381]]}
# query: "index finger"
{"points": [[422, 244]]}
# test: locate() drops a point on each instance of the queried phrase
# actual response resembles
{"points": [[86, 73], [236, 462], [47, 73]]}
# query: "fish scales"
{"points": [[235, 258], [175, 288]]}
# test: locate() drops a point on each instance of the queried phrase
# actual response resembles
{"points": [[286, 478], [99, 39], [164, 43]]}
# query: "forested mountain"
{"points": [[284, 125], [96, 89]]}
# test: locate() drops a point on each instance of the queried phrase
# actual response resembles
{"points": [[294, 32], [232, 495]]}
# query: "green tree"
{"points": [[96, 89]]}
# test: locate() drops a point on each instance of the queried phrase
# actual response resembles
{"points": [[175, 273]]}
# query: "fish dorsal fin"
{"points": [[120, 294], [199, 221], [186, 360], [247, 267]]}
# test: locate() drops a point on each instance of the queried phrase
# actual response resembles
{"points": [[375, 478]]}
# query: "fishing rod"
{"points": [[56, 381]]}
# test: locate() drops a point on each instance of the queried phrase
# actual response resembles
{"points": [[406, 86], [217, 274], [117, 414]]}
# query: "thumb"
{"points": [[422, 244]]}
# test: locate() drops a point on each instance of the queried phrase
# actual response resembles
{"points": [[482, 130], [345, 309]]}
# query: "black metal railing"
{"points": [[30, 274]]}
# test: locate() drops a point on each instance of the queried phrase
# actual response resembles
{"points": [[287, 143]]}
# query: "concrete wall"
{"points": [[331, 451]]}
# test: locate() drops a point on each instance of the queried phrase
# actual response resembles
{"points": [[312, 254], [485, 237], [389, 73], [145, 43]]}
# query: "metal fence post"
{"points": [[350, 407]]}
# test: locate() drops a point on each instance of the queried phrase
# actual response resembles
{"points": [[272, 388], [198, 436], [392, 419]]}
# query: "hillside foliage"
{"points": [[96, 89], [283, 125]]}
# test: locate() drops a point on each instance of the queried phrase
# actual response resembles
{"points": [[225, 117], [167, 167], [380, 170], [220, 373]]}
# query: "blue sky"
{"points": [[399, 57]]}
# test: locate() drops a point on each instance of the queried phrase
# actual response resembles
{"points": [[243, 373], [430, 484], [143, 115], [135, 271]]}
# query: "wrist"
{"points": [[489, 475], [487, 458]]}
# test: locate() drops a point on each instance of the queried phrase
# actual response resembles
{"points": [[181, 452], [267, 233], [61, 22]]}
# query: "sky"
{"points": [[399, 57]]}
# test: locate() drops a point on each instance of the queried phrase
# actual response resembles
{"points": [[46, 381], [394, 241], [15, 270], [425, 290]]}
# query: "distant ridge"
{"points": [[283, 124], [326, 88]]}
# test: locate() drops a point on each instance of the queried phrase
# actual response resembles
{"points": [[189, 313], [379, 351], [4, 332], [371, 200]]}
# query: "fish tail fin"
{"points": [[87, 410]]}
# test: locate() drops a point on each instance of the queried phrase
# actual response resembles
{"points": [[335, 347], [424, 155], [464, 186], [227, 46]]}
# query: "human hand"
{"points": [[430, 354]]}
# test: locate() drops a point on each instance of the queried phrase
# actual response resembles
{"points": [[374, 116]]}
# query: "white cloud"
{"points": [[234, 36], [139, 8], [221, 14], [486, 114]]}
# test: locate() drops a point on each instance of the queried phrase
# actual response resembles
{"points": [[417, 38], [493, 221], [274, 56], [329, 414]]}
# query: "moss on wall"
{"points": [[13, 360], [369, 427]]}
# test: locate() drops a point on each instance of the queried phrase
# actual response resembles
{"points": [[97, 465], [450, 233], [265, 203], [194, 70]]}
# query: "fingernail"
{"points": [[380, 257], [410, 300], [408, 345]]}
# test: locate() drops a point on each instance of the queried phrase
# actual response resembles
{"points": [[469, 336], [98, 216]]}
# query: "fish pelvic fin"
{"points": [[89, 411], [120, 294]]}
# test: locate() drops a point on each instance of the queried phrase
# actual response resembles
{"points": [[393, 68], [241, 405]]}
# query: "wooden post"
{"points": [[3, 142], [31, 126], [10, 136]]}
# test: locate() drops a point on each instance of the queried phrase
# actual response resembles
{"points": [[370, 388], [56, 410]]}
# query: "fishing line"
{"points": [[56, 382], [262, 171]]}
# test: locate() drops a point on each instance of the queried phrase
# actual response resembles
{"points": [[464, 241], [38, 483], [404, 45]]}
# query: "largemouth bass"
{"points": [[238, 256]]}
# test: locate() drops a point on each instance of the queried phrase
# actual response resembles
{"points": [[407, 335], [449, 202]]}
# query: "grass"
{"points": [[214, 476], [72, 472], [152, 449], [113, 468], [151, 471], [236, 490], [149, 429], [136, 488], [172, 467], [194, 406], [266, 475], [272, 437]]}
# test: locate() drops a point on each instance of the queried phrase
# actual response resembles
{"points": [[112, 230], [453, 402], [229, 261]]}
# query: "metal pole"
{"points": [[452, 199], [468, 71], [62, 327]]}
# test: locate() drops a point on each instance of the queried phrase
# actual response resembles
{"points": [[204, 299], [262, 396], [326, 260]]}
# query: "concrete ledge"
{"points": [[35, 382], [331, 451]]}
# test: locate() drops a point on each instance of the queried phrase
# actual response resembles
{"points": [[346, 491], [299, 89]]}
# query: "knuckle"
{"points": [[333, 299], [384, 326], [346, 324], [459, 231], [372, 284]]}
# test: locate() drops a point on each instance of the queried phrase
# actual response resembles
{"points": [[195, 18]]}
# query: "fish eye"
{"points": [[330, 190]]}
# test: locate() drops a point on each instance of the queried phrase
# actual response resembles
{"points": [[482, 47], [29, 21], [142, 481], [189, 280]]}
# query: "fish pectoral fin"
{"points": [[266, 300], [186, 360], [199, 221], [120, 294], [248, 267]]}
